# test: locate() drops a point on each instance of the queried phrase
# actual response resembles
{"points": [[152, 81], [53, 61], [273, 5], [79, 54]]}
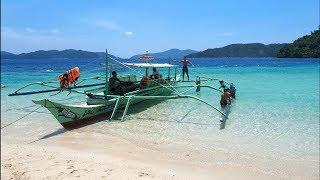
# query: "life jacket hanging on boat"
{"points": [[69, 78]]}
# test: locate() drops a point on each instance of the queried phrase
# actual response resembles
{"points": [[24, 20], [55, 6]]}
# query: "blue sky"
{"points": [[129, 27]]}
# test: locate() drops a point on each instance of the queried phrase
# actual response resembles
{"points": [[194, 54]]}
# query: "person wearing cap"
{"points": [[222, 85], [185, 63]]}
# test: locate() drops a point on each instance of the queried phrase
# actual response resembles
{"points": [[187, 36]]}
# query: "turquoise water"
{"points": [[276, 113]]}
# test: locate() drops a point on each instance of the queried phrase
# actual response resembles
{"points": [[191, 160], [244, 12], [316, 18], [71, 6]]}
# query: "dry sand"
{"points": [[120, 160], [80, 154], [41, 162]]}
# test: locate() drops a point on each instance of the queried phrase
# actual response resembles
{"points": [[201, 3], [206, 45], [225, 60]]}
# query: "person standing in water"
{"points": [[225, 98], [232, 91], [185, 63]]}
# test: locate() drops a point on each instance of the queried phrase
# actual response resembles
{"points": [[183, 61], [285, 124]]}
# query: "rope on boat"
{"points": [[173, 89], [21, 117], [177, 97], [46, 83]]}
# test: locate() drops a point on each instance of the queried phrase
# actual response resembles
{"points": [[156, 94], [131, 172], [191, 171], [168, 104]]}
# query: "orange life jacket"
{"points": [[64, 82], [73, 75], [144, 81], [70, 77]]}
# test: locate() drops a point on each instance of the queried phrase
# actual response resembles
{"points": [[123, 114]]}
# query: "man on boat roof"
{"points": [[185, 64]]}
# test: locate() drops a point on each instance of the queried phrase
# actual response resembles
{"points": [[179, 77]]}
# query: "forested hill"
{"points": [[241, 50], [171, 54], [305, 47], [55, 54]]}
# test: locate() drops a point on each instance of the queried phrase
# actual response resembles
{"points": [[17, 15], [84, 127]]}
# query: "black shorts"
{"points": [[185, 69], [223, 103]]}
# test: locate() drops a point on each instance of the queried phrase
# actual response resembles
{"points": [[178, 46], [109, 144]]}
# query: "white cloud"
{"points": [[54, 31], [226, 34], [128, 33], [29, 30], [9, 33], [23, 40], [109, 25]]}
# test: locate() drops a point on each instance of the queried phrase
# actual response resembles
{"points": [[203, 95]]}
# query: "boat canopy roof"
{"points": [[150, 65]]}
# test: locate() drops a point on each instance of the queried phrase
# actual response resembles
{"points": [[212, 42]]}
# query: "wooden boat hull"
{"points": [[70, 116]]}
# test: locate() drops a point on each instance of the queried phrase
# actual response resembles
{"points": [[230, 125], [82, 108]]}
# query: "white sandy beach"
{"points": [[169, 90], [80, 154]]}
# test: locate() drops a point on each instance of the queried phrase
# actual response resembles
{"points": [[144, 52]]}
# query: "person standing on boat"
{"points": [[185, 63], [225, 98]]}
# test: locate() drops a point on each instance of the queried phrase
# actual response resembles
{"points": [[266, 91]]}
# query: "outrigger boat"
{"points": [[101, 102]]}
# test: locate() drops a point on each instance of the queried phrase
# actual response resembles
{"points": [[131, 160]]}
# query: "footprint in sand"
{"points": [[108, 171], [141, 174], [73, 171], [7, 165], [60, 174]]}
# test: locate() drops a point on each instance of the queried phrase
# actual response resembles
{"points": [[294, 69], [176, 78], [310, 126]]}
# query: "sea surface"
{"points": [[275, 115]]}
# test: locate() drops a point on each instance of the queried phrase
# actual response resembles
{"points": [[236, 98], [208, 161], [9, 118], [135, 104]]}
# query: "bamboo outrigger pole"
{"points": [[107, 66], [17, 93]]}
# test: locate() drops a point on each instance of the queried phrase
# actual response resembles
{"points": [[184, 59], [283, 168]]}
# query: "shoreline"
{"points": [[116, 157], [269, 135]]}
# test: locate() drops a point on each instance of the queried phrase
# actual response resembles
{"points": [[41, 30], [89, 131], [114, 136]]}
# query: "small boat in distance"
{"points": [[146, 56], [103, 102]]}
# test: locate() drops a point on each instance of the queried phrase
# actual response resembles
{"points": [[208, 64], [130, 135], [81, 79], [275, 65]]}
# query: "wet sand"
{"points": [[42, 149]]}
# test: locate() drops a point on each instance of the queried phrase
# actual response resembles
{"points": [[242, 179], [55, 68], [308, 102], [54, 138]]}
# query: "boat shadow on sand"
{"points": [[137, 108]]}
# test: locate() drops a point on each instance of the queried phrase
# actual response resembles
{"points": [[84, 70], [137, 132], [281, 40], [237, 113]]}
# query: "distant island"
{"points": [[305, 47], [76, 54], [241, 50], [55, 54], [171, 54]]}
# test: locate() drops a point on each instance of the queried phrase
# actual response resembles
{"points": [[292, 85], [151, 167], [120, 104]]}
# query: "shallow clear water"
{"points": [[276, 113]]}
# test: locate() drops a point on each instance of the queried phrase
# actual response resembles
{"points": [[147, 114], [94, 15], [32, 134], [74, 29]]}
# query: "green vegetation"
{"points": [[55, 54], [171, 54], [241, 50], [305, 47]]}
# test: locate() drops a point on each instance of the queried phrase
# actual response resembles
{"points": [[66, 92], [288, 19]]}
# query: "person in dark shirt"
{"points": [[225, 99], [115, 84], [118, 87], [185, 63], [232, 91], [155, 74]]}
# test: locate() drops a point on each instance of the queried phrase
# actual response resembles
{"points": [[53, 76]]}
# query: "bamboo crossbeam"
{"points": [[178, 97], [17, 93]]}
